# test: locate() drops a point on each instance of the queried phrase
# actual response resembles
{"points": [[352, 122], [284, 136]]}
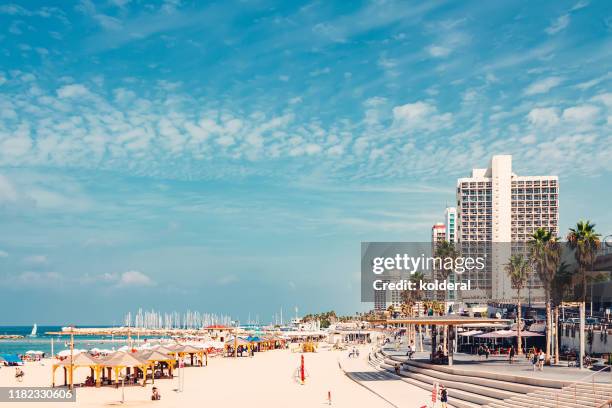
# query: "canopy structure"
{"points": [[78, 360], [181, 350], [154, 357], [122, 360]]}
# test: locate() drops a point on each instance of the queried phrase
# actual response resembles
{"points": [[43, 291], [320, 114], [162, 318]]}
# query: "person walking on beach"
{"points": [[443, 396]]}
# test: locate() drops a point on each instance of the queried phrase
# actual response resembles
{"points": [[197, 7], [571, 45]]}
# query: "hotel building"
{"points": [[498, 209]]}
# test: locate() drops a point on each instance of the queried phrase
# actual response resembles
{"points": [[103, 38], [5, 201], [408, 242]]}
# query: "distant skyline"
{"points": [[230, 157]]}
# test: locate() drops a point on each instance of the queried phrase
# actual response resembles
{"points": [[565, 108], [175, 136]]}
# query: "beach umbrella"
{"points": [[81, 359], [163, 349], [154, 355], [499, 334], [470, 333], [66, 353], [123, 359], [530, 334]]}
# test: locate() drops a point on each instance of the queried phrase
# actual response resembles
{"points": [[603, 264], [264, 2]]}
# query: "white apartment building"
{"points": [[496, 206]]}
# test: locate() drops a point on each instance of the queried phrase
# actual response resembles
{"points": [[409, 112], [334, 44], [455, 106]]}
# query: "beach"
{"points": [[268, 379]]}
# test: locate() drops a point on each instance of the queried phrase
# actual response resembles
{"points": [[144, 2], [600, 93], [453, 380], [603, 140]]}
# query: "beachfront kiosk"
{"points": [[437, 322]]}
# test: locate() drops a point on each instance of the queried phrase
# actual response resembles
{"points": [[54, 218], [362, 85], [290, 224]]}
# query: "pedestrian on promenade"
{"points": [[511, 354], [443, 396], [541, 358], [487, 352], [534, 359]]}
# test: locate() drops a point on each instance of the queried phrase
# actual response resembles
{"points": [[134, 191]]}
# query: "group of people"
{"points": [[537, 359], [483, 351]]}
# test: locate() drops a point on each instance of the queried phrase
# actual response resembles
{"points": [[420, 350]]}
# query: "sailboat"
{"points": [[34, 330]]}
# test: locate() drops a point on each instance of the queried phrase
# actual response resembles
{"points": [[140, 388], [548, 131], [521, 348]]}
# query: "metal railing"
{"points": [[572, 390]]}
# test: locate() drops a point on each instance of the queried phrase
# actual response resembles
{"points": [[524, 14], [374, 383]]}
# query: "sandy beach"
{"points": [[266, 379]]}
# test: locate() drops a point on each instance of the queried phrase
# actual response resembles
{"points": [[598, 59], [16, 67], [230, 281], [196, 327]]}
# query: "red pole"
{"points": [[302, 370]]}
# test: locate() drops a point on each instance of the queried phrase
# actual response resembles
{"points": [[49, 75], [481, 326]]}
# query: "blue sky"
{"points": [[230, 157]]}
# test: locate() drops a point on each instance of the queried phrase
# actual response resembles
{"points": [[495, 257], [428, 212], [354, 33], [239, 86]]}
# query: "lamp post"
{"points": [[71, 356]]}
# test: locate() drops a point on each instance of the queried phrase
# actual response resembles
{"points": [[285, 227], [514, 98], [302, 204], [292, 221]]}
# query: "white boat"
{"points": [[34, 330]]}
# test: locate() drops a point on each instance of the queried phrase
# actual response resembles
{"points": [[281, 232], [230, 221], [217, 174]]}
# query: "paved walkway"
{"points": [[398, 393], [520, 367]]}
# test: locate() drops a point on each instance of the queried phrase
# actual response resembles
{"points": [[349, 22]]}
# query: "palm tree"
{"points": [[545, 253], [518, 270], [418, 297], [584, 241], [446, 250]]}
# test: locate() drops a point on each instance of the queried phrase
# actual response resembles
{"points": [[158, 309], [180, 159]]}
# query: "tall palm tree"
{"points": [[445, 250], [544, 252], [518, 270], [584, 241]]}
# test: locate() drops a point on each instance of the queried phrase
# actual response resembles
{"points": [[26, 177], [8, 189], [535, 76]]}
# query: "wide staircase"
{"points": [[472, 389]]}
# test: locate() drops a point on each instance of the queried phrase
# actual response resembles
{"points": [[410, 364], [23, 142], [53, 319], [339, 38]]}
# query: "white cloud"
{"points": [[420, 115], [3, 254], [134, 278], [543, 117], [604, 98], [321, 71], [73, 91], [543, 85], [7, 190], [36, 259], [559, 24], [284, 78], [581, 114], [438, 51], [528, 139]]}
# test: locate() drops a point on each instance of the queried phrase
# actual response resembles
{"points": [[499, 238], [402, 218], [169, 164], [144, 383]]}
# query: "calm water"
{"points": [[42, 341]]}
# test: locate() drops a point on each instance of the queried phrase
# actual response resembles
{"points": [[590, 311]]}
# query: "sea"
{"points": [[42, 341]]}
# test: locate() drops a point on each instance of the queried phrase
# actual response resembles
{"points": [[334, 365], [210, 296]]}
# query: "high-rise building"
{"points": [[450, 220], [438, 233], [499, 208]]}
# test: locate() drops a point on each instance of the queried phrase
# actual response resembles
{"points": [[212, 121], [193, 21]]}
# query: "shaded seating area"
{"points": [[197, 356], [113, 370], [237, 346], [162, 365]]}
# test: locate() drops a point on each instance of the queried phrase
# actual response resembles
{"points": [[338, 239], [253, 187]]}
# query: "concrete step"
{"points": [[550, 402], [500, 376], [580, 396], [455, 396]]}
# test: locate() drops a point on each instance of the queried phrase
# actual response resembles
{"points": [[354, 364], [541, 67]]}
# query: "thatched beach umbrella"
{"points": [[79, 360], [120, 360]]}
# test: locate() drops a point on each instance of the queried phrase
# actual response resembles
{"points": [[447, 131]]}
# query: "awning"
{"points": [[470, 333], [11, 358]]}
